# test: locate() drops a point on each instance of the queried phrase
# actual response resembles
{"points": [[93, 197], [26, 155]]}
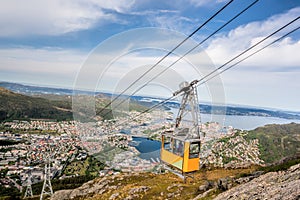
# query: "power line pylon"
{"points": [[28, 192], [47, 187]]}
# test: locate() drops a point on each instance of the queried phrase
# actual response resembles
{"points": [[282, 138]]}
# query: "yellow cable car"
{"points": [[181, 148], [180, 153]]}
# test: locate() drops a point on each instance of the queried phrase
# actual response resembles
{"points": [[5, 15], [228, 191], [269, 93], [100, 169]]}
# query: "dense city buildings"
{"points": [[30, 144]]}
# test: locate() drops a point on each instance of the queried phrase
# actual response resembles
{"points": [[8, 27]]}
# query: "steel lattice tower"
{"points": [[47, 187], [187, 120], [28, 192]]}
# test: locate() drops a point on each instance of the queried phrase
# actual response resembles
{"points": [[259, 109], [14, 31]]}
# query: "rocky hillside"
{"points": [[216, 184], [273, 185]]}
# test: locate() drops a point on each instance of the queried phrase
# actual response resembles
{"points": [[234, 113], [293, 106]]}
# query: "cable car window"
{"points": [[178, 147], [194, 150], [167, 143]]}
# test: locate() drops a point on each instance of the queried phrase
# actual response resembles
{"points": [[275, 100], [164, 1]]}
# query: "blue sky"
{"points": [[47, 42]]}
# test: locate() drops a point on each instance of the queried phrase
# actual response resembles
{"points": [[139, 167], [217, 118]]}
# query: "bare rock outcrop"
{"points": [[91, 187], [273, 185], [61, 194]]}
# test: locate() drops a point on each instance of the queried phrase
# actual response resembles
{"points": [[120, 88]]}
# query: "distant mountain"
{"points": [[228, 110], [18, 106], [30, 90], [47, 92], [243, 111], [32, 102]]}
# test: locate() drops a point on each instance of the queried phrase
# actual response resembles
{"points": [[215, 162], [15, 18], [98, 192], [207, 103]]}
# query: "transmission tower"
{"points": [[47, 187], [28, 192]]}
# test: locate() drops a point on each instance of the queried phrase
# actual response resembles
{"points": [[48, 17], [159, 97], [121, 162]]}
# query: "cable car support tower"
{"points": [[181, 147]]}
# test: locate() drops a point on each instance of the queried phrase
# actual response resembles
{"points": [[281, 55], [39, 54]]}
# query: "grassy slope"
{"points": [[57, 107], [277, 142], [17, 106], [161, 184]]}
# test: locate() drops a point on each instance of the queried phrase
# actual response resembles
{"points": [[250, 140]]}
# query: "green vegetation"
{"points": [[9, 142], [108, 153], [62, 184], [277, 142], [162, 185], [280, 167], [224, 139], [135, 106], [272, 168], [86, 170], [16, 106], [83, 171], [88, 167], [57, 107], [9, 193], [108, 114], [4, 128], [228, 159]]}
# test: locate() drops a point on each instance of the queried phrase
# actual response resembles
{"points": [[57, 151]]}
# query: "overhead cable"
{"points": [[170, 52]]}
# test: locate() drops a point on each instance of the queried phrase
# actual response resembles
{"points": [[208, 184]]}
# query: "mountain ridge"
{"points": [[204, 108], [19, 106]]}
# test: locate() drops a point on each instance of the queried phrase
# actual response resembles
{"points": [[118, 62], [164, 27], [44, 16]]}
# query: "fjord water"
{"points": [[148, 148], [248, 122], [151, 149]]}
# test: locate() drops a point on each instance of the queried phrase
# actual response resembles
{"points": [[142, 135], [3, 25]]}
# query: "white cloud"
{"points": [[40, 60], [199, 3], [153, 12], [55, 17], [60, 67], [230, 44], [173, 22], [40, 66], [265, 89], [269, 78]]}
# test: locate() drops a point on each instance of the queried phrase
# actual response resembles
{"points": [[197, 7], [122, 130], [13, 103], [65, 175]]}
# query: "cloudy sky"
{"points": [[49, 42]]}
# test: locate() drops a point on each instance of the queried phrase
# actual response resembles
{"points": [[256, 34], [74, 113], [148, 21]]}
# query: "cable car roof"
{"points": [[181, 137]]}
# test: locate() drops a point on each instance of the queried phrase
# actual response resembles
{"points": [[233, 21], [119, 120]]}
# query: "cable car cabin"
{"points": [[181, 148], [179, 152]]}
